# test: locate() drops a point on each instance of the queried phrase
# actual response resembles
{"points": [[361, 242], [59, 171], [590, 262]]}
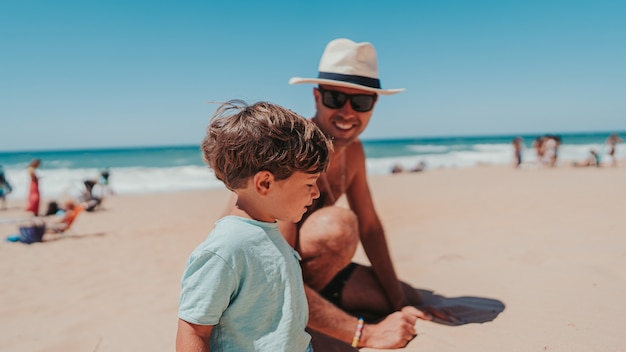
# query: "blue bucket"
{"points": [[31, 234]]}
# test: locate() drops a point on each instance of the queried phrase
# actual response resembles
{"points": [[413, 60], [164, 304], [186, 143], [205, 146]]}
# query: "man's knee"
{"points": [[332, 226], [328, 242]]}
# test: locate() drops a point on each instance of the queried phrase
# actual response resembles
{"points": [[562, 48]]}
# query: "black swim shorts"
{"points": [[332, 291]]}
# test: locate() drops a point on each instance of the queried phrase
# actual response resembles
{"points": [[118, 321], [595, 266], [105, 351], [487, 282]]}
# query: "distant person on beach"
{"points": [[342, 294], [397, 168], [559, 141], [88, 197], [612, 142], [63, 219], [550, 148], [242, 289], [104, 182], [592, 160], [95, 190], [538, 145], [5, 188], [518, 147], [33, 190]]}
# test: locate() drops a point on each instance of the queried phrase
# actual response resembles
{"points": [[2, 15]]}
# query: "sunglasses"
{"points": [[333, 99]]}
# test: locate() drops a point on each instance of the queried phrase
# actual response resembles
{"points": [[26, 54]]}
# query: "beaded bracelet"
{"points": [[357, 334]]}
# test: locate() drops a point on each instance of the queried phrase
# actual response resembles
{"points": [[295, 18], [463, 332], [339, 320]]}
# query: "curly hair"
{"points": [[243, 139]]}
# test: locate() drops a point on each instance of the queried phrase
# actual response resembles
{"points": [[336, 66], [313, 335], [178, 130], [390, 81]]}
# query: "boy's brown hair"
{"points": [[243, 139]]}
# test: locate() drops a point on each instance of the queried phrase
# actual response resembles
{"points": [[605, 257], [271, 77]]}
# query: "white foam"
{"points": [[495, 154], [54, 183], [428, 148]]}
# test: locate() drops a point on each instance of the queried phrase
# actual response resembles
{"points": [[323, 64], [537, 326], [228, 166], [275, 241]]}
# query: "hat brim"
{"points": [[330, 82]]}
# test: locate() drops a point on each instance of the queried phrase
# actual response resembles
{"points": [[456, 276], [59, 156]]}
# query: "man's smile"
{"points": [[344, 126]]}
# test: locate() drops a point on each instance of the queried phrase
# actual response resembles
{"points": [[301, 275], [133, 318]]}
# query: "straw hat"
{"points": [[345, 63]]}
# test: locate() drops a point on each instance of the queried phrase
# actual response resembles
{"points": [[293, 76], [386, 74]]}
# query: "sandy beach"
{"points": [[531, 259]]}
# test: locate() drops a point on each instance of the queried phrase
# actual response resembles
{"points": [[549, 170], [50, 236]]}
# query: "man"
{"points": [[328, 235]]}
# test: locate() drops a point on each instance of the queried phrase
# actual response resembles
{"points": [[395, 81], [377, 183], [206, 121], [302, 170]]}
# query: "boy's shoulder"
{"points": [[232, 232], [232, 222], [233, 239]]}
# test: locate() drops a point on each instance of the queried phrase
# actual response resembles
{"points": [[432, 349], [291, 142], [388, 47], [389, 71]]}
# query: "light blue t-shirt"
{"points": [[246, 280]]}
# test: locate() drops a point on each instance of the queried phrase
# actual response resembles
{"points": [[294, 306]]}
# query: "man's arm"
{"points": [[326, 318], [371, 231], [193, 338], [395, 331]]}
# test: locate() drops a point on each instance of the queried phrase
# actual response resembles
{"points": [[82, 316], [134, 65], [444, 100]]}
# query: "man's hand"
{"points": [[395, 331]]}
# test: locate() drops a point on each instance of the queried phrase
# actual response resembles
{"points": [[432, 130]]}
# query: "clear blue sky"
{"points": [[77, 74]]}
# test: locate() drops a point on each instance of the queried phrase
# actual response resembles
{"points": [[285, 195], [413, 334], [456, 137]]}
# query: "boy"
{"points": [[242, 289]]}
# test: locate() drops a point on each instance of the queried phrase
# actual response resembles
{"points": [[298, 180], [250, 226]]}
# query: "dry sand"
{"points": [[537, 255]]}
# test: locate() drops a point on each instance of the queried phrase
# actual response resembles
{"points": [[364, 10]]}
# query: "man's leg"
{"points": [[362, 293], [327, 242]]}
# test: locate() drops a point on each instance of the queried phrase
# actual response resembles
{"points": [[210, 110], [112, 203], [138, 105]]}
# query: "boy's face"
{"points": [[293, 195], [342, 125]]}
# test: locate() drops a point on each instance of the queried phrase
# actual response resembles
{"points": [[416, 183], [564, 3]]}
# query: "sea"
{"points": [[142, 170]]}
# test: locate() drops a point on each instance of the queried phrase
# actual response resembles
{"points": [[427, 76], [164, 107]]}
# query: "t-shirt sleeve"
{"points": [[208, 285]]}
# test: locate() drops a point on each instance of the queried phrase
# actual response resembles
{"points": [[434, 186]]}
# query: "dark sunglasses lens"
{"points": [[362, 103], [334, 100]]}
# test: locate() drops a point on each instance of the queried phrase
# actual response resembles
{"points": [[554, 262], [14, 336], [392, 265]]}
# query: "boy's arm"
{"points": [[192, 337]]}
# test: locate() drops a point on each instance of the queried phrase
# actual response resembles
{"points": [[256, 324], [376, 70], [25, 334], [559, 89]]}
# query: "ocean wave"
{"points": [[55, 183], [154, 170], [428, 148]]}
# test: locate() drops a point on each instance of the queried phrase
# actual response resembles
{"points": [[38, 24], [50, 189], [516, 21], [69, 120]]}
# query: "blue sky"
{"points": [[80, 74]]}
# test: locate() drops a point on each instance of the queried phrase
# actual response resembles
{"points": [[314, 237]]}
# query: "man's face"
{"points": [[342, 125]]}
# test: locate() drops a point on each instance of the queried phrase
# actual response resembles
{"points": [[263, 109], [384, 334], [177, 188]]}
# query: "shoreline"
{"points": [[205, 181]]}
